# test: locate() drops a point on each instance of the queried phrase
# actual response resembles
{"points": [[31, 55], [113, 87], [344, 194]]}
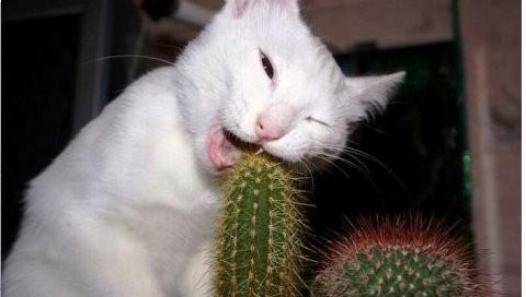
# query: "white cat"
{"points": [[128, 208]]}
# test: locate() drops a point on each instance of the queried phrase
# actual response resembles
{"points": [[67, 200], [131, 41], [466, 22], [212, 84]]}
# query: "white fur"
{"points": [[128, 208]]}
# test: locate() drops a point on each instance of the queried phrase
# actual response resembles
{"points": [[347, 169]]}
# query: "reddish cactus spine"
{"points": [[398, 258]]}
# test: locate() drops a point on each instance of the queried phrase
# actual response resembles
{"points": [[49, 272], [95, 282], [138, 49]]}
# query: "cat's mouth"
{"points": [[224, 148]]}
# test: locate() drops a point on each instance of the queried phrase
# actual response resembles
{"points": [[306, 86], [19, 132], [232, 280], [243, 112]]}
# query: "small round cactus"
{"points": [[396, 259], [258, 242]]}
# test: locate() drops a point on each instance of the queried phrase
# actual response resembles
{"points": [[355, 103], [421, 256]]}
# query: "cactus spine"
{"points": [[398, 259], [257, 249]]}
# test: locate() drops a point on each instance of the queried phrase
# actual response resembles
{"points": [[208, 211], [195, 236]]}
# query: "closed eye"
{"points": [[314, 120]]}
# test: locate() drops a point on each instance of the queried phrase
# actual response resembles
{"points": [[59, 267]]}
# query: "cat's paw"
{"points": [[220, 151]]}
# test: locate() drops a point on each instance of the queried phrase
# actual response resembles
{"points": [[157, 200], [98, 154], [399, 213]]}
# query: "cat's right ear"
{"points": [[237, 8], [368, 94]]}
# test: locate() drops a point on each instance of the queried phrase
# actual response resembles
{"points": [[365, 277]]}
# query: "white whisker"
{"points": [[133, 56]]}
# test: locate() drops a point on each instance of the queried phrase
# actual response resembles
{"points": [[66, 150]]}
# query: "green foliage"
{"points": [[257, 249]]}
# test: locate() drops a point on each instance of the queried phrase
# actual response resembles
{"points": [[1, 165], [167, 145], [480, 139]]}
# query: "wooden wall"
{"points": [[492, 55], [344, 24]]}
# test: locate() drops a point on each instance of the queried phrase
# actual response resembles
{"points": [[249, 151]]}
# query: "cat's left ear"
{"points": [[369, 94]]}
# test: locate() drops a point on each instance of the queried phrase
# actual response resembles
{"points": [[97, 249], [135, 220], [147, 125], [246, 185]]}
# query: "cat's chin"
{"points": [[277, 153]]}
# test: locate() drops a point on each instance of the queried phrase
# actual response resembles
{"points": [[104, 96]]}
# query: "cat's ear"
{"points": [[290, 5], [237, 8], [369, 94]]}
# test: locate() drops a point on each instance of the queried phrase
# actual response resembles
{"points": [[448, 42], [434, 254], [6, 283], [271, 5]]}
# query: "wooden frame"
{"points": [[492, 50]]}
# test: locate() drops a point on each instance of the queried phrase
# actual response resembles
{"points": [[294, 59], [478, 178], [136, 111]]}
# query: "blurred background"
{"points": [[447, 147]]}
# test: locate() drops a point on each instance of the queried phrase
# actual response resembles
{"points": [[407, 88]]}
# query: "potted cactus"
{"points": [[398, 258], [259, 249]]}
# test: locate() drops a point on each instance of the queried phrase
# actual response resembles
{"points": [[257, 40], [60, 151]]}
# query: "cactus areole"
{"points": [[257, 246]]}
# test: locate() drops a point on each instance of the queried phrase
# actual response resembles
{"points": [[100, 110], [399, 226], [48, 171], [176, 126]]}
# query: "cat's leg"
{"points": [[104, 263], [24, 277], [117, 266], [197, 280]]}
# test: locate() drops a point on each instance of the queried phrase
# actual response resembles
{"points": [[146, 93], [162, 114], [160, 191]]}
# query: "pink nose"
{"points": [[268, 130]]}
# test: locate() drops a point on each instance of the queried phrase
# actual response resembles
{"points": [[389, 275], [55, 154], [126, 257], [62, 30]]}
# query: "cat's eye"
{"points": [[314, 120], [267, 65]]}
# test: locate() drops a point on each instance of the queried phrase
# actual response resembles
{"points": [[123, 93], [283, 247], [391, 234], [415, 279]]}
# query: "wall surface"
{"points": [[344, 24]]}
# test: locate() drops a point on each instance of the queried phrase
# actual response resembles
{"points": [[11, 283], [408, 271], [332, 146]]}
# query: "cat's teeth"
{"points": [[259, 151]]}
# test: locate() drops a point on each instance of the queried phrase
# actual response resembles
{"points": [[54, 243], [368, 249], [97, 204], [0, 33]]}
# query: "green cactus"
{"points": [[257, 249], [398, 259]]}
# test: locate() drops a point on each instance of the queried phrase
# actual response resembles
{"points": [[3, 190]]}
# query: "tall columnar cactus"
{"points": [[397, 259], [257, 247]]}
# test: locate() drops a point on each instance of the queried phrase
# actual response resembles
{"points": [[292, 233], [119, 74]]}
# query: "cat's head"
{"points": [[286, 92]]}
